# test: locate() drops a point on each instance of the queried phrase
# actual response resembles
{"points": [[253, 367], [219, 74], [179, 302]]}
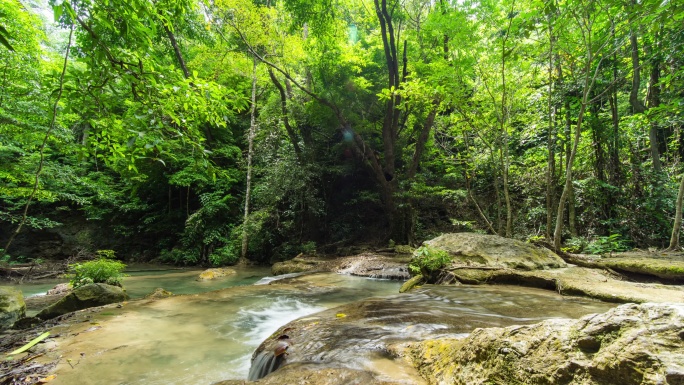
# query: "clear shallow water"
{"points": [[195, 339], [143, 279], [209, 337]]}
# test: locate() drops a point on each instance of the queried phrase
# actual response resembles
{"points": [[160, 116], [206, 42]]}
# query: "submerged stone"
{"points": [[474, 249]]}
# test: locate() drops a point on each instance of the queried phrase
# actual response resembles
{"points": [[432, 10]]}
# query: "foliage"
{"points": [[104, 269], [226, 255], [602, 245], [427, 259], [427, 118]]}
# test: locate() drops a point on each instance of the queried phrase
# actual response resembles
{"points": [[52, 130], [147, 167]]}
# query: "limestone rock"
{"points": [[61, 288], [91, 295], [492, 250], [631, 344], [12, 306], [159, 293], [299, 264], [210, 274], [313, 374], [374, 265]]}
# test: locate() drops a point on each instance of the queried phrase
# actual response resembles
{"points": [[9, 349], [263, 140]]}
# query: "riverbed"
{"points": [[207, 337]]}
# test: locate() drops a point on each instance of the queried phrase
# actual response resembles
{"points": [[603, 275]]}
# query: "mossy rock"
{"points": [[629, 345], [210, 274], [666, 269], [299, 264], [495, 251], [12, 306], [83, 297], [159, 293]]}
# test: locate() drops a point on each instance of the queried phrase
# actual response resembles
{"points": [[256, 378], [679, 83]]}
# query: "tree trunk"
{"points": [[637, 106], [588, 84], [250, 151], [177, 51], [674, 239], [550, 166], [286, 121], [572, 222]]}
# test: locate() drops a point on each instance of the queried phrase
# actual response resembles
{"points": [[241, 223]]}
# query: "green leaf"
{"points": [[30, 344]]}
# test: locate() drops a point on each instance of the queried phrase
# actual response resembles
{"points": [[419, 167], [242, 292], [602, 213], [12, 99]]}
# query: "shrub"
{"points": [[102, 270], [427, 259], [226, 255]]}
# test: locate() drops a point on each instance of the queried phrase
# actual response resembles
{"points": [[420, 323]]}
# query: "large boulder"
{"points": [[12, 306], [631, 344], [480, 250], [83, 297]]}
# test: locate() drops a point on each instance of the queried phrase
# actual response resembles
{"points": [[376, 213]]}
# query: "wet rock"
{"points": [[300, 264], [12, 306], [36, 303], [373, 265], [94, 294], [582, 281], [631, 344], [315, 375], [159, 293], [210, 274], [472, 249], [362, 334], [26, 323], [59, 289]]}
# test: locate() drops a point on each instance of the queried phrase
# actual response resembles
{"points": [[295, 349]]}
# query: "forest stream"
{"points": [[207, 337]]}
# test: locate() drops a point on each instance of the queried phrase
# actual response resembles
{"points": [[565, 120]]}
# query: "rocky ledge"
{"points": [[631, 344], [368, 264]]}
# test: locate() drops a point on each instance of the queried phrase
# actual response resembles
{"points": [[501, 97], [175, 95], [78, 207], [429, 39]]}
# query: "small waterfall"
{"points": [[264, 363]]}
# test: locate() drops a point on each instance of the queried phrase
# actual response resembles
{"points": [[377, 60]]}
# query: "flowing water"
{"points": [[194, 339], [208, 337]]}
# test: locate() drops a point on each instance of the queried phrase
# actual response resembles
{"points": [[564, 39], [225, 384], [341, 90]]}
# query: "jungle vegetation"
{"points": [[214, 130]]}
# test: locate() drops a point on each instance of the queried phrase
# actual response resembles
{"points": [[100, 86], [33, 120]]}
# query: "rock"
{"points": [[315, 375], [373, 265], [367, 264], [665, 267], [353, 335], [26, 323], [215, 273], [631, 344], [582, 281], [12, 306], [159, 293], [61, 288], [474, 249], [299, 264], [91, 295]]}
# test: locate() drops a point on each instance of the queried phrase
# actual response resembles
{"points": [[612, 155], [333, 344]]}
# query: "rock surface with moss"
{"points": [[12, 306], [214, 273], [631, 344], [482, 250], [83, 297]]}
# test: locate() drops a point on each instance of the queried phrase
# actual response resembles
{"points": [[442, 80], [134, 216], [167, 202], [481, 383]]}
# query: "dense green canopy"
{"points": [[188, 126]]}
